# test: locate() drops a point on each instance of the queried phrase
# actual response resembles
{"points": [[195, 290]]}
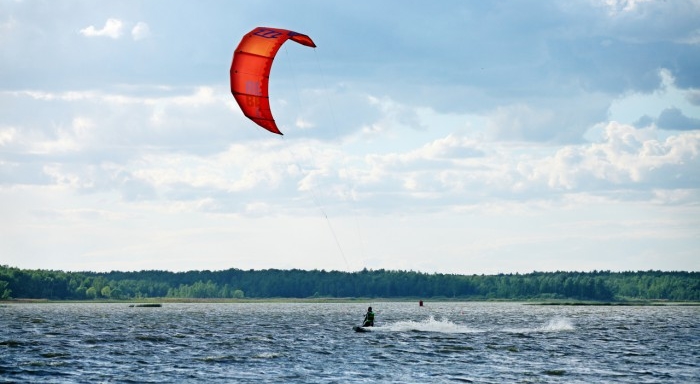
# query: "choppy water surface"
{"points": [[272, 342]]}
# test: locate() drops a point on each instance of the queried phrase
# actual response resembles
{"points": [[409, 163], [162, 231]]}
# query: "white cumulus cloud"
{"points": [[113, 28], [140, 31]]}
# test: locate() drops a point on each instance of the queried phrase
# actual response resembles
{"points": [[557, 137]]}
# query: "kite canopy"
{"points": [[250, 71]]}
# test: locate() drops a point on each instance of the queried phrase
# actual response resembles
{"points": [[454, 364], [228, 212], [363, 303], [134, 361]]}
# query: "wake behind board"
{"points": [[360, 329]]}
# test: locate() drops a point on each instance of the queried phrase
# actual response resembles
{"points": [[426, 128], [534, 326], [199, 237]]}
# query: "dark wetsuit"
{"points": [[369, 319]]}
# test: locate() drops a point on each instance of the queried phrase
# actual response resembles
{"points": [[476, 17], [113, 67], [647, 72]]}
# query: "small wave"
{"points": [[152, 338], [428, 325], [267, 355], [553, 325], [11, 343], [555, 372], [222, 359], [51, 355], [558, 324]]}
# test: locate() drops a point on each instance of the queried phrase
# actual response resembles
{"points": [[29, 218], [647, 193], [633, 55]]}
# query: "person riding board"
{"points": [[369, 318]]}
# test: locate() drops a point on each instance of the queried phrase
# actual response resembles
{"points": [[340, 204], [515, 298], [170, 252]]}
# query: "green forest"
{"points": [[234, 283]]}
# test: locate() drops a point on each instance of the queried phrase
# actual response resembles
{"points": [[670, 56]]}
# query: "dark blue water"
{"points": [[314, 343]]}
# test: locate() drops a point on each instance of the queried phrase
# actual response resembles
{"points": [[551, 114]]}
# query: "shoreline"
{"points": [[349, 300]]}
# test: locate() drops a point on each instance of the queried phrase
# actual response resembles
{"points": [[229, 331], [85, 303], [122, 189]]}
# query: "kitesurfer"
{"points": [[369, 318]]}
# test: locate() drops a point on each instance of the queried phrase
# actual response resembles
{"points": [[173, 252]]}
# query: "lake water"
{"points": [[314, 343]]}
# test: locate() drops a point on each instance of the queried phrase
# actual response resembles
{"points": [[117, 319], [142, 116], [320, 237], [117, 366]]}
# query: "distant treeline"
{"points": [[273, 283]]}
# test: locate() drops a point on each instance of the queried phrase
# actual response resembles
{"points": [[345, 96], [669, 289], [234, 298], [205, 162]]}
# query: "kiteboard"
{"points": [[358, 328]]}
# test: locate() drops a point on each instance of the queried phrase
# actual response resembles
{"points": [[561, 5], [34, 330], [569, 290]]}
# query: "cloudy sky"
{"points": [[465, 137]]}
